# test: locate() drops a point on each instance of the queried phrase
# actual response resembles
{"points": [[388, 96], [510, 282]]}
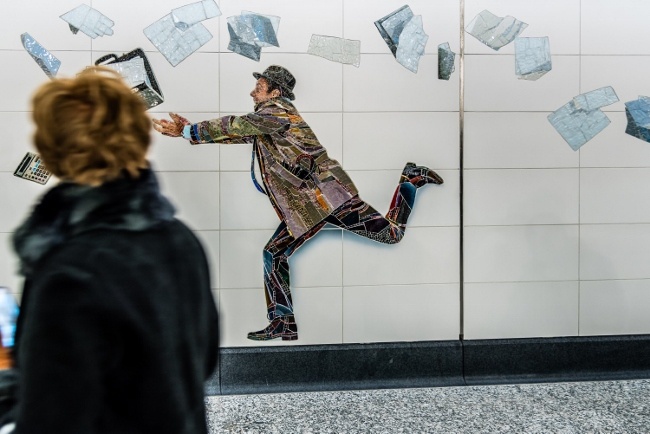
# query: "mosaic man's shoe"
{"points": [[281, 327], [420, 175]]}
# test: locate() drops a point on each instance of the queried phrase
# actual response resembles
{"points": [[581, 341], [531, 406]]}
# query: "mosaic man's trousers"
{"points": [[355, 216]]}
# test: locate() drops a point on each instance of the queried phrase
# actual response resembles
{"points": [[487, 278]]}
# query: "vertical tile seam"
{"points": [[219, 54], [343, 162], [579, 158], [461, 126], [91, 40], [219, 154]]}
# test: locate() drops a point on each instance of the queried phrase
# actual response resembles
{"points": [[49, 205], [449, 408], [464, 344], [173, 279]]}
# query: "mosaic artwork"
{"points": [[638, 118], [346, 51], [250, 32], [412, 42], [132, 71], [391, 26], [532, 57], [595, 99], [446, 59], [307, 188], [353, 215], [31, 168], [181, 33], [46, 60], [239, 46], [581, 119], [404, 35], [188, 15], [136, 70], [494, 31], [90, 21]]}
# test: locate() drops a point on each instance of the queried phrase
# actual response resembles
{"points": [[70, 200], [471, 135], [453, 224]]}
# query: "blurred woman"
{"points": [[118, 328]]}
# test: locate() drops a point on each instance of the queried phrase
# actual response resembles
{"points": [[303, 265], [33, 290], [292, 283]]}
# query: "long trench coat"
{"points": [[302, 182]]}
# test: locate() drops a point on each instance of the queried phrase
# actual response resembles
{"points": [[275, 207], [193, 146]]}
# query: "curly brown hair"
{"points": [[91, 128]]}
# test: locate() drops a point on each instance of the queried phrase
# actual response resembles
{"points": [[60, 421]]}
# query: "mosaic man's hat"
{"points": [[281, 77]]}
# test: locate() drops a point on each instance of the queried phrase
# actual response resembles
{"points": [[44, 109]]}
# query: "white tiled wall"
{"points": [[557, 19], [521, 309], [555, 242], [373, 119]]}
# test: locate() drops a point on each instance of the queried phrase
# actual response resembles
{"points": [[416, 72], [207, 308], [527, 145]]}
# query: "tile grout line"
{"points": [[343, 162], [461, 126], [579, 154], [219, 301]]}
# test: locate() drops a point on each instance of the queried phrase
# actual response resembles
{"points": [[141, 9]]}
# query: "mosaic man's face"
{"points": [[261, 92]]}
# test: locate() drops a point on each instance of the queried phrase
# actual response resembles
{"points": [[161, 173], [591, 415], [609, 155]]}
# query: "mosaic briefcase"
{"points": [[136, 70]]}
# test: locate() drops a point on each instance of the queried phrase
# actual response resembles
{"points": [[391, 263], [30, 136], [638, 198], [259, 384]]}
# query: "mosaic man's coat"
{"points": [[303, 183]]}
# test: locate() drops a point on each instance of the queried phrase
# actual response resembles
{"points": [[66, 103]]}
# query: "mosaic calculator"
{"points": [[33, 169]]}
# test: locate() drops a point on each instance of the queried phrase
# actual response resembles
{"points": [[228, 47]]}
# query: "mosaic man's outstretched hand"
{"points": [[173, 128]]}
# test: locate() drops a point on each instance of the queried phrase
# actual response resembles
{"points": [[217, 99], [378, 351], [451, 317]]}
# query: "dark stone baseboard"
{"points": [[340, 367], [556, 359], [429, 364]]}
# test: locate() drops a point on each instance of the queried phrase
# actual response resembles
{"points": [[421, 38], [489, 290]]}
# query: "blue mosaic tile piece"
{"points": [[446, 59], [391, 26], [638, 118], [46, 60], [412, 42], [532, 57], [494, 31], [581, 119], [346, 51], [90, 21]]}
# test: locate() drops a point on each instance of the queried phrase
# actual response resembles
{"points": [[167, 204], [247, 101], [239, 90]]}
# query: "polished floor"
{"points": [[588, 407]]}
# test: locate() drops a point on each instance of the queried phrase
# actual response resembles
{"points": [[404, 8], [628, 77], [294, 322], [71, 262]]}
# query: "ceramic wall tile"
{"points": [[391, 313], [614, 251], [521, 310], [240, 258], [521, 196], [494, 140], [242, 206], [18, 196], [611, 195], [614, 307], [195, 196], [521, 253], [557, 19], [614, 27], [491, 85], [425, 255], [381, 84], [373, 141]]}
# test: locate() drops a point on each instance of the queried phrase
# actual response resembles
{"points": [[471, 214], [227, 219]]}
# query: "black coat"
{"points": [[118, 328]]}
